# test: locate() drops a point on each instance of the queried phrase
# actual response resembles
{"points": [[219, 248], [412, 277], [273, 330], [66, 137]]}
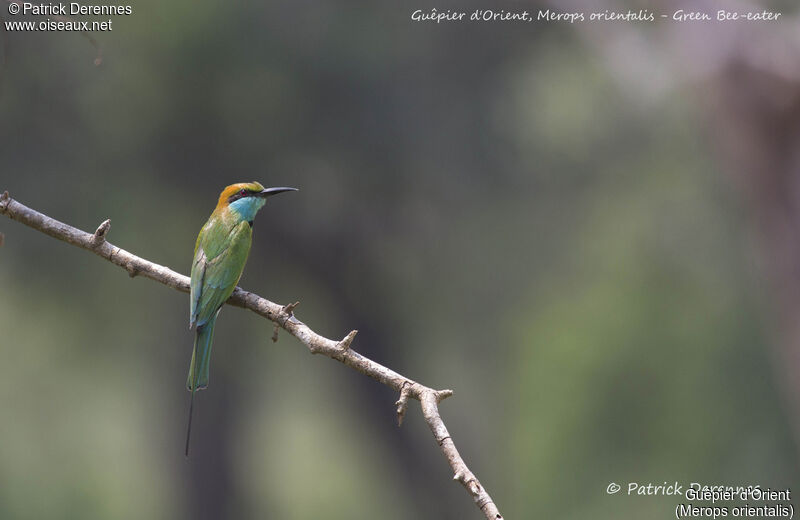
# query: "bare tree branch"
{"points": [[283, 317]]}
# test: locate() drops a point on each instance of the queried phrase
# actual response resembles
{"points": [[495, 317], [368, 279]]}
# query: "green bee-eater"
{"points": [[219, 257]]}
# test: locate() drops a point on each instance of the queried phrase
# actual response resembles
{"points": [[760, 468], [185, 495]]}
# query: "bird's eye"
{"points": [[242, 193]]}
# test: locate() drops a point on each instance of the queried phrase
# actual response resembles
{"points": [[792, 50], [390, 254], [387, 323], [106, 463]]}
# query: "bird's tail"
{"points": [[198, 369]]}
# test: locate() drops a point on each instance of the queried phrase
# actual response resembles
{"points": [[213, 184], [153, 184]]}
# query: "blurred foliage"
{"points": [[482, 203]]}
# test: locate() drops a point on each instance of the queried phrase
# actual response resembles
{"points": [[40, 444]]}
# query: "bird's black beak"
{"points": [[273, 191]]}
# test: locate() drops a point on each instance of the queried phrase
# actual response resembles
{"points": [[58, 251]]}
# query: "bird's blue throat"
{"points": [[247, 207]]}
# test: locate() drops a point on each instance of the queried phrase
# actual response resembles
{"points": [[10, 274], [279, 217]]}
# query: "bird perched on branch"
{"points": [[219, 256]]}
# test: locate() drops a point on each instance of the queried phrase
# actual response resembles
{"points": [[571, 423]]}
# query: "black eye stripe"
{"points": [[238, 195], [241, 194]]}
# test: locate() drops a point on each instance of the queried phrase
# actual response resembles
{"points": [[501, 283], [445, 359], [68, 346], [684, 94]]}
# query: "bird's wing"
{"points": [[196, 285], [211, 242], [220, 273]]}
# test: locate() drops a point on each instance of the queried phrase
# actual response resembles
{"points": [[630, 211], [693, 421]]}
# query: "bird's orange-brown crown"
{"points": [[229, 191]]}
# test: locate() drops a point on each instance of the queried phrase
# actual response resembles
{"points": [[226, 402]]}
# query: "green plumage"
{"points": [[201, 355], [220, 253], [219, 258]]}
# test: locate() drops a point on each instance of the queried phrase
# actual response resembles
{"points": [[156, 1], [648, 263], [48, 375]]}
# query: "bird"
{"points": [[220, 254]]}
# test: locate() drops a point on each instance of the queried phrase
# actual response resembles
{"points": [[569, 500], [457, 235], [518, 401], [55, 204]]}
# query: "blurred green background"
{"points": [[489, 205]]}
